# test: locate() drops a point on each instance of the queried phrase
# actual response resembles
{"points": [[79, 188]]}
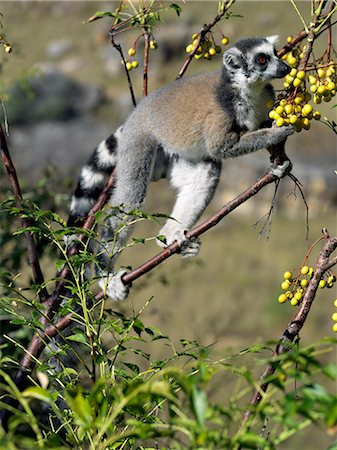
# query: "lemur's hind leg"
{"points": [[93, 178], [128, 195], [196, 184]]}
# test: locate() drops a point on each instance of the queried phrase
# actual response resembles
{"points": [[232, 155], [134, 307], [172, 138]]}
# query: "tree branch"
{"points": [[295, 325], [25, 222]]}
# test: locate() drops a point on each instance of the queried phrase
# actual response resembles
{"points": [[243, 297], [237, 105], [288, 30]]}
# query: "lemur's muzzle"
{"points": [[282, 70]]}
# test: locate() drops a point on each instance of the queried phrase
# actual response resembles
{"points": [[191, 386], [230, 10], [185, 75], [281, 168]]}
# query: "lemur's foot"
{"points": [[113, 286], [281, 170], [175, 232], [190, 247]]}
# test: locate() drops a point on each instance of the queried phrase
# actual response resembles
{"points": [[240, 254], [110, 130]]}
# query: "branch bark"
{"points": [[25, 222]]}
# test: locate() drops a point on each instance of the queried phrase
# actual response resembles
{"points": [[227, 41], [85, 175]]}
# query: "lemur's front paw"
{"points": [[113, 286], [281, 170], [175, 232]]}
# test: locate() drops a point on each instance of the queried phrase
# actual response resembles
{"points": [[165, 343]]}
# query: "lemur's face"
{"points": [[255, 60]]}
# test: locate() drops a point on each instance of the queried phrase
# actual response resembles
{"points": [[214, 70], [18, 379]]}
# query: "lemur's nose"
{"points": [[285, 69]]}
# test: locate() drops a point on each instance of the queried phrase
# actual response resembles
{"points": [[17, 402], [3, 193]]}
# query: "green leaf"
{"points": [[80, 406], [251, 440], [78, 337], [176, 8], [199, 404], [330, 370], [38, 393], [60, 264], [162, 238]]}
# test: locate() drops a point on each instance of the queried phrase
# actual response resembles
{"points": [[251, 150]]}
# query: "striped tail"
{"points": [[93, 178]]}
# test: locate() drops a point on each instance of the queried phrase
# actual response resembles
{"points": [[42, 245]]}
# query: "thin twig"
{"points": [[25, 222], [146, 62]]}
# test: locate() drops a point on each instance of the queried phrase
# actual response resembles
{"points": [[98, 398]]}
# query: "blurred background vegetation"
{"points": [[64, 91]]}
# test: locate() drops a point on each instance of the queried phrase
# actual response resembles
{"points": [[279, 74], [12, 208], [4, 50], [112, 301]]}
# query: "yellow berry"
{"points": [[331, 86], [289, 294], [153, 44], [282, 298], [194, 36], [298, 296], [287, 275], [134, 64], [8, 48], [279, 122], [283, 102], [289, 109], [321, 73], [301, 74], [298, 100], [289, 79], [285, 285], [293, 301], [293, 119], [271, 114], [224, 40], [297, 82], [305, 123], [306, 110], [329, 73], [334, 316], [128, 66], [131, 51], [212, 51], [289, 39], [292, 61], [198, 56], [334, 327], [304, 283], [313, 88], [322, 284], [335, 302], [331, 279], [317, 115], [321, 89], [312, 79], [293, 72], [189, 48], [279, 110], [286, 85]]}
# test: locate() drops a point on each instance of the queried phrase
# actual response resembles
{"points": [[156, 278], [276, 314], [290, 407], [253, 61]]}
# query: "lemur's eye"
{"points": [[262, 59]]}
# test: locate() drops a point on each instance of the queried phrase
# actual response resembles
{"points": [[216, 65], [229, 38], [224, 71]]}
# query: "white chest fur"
{"points": [[250, 107]]}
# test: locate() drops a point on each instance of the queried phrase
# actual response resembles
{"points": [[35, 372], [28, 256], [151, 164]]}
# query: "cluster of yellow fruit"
{"points": [[292, 106], [295, 287], [296, 111], [323, 85], [133, 64], [207, 49]]}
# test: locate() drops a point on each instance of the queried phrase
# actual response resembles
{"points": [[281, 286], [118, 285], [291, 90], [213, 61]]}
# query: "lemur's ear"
{"points": [[233, 58], [273, 39]]}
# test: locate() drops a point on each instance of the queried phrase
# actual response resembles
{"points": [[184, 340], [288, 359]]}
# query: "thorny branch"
{"points": [[25, 222], [295, 325]]}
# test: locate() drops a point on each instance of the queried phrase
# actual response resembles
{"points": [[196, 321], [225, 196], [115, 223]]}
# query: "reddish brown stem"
{"points": [[25, 222], [146, 63]]}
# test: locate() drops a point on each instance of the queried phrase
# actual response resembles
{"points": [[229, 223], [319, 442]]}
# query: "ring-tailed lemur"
{"points": [[184, 131]]}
